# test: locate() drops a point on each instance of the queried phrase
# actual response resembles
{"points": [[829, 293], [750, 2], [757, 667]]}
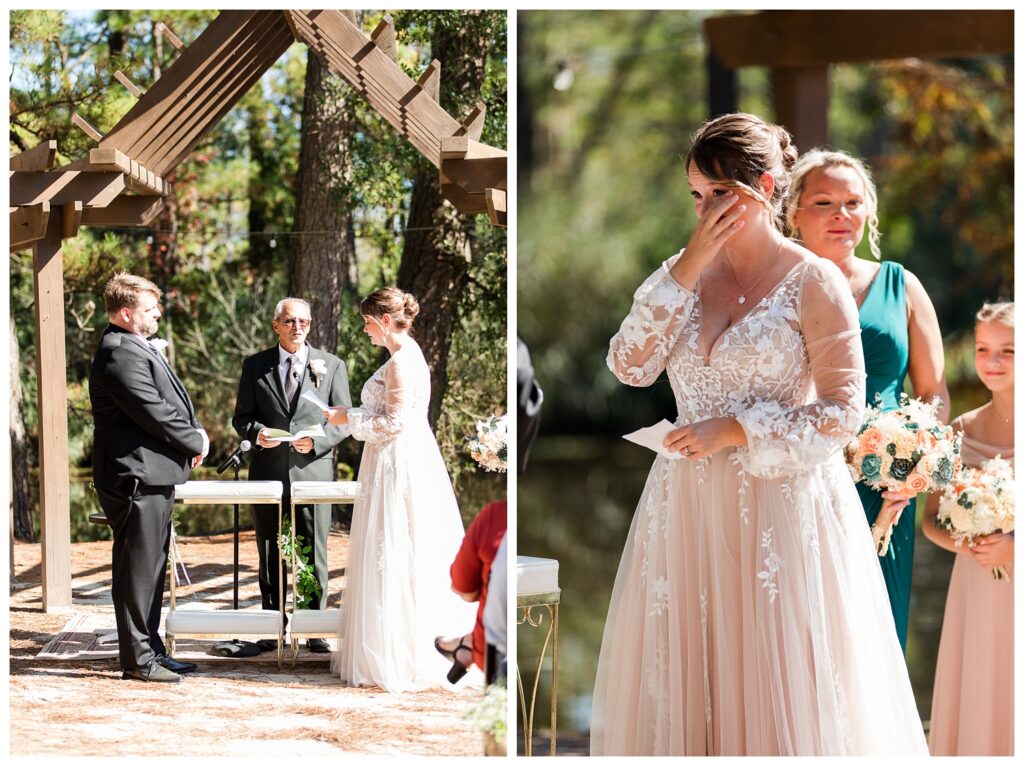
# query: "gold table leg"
{"points": [[531, 615]]}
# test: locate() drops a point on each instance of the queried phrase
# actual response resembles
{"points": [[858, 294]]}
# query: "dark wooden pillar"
{"points": [[722, 87], [51, 374], [801, 103]]}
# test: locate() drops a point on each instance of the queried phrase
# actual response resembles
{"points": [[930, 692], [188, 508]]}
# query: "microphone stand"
{"points": [[235, 602]]}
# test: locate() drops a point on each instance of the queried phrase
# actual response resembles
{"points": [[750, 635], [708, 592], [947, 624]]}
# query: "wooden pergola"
{"points": [[798, 46], [121, 183]]}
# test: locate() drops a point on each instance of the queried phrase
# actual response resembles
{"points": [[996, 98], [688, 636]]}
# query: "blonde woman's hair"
{"points": [[1000, 312], [735, 149], [826, 158], [122, 291]]}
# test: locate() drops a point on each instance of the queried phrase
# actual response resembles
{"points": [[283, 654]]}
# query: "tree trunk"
{"points": [[21, 449], [437, 247], [323, 265]]}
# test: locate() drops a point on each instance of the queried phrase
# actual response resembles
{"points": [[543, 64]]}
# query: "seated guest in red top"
{"points": [[470, 574]]}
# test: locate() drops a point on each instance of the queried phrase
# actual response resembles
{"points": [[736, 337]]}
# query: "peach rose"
{"points": [[870, 441], [915, 483]]}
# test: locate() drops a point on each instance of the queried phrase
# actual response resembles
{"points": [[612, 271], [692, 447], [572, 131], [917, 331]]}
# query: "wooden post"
{"points": [[723, 87], [51, 375], [801, 104]]}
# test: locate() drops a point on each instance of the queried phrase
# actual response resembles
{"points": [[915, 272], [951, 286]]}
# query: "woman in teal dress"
{"points": [[831, 201]]}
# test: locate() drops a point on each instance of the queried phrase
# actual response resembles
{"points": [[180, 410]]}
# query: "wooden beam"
{"points": [[496, 206], [801, 104], [42, 156], [105, 159], [171, 37], [124, 211], [70, 219], [60, 186], [476, 175], [52, 399], [473, 123], [465, 203], [430, 80], [815, 38], [383, 36], [86, 127], [28, 225], [132, 88], [465, 148]]}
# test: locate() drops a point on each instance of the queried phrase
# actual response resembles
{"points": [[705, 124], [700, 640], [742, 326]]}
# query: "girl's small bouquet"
{"points": [[903, 450], [979, 502], [490, 447]]}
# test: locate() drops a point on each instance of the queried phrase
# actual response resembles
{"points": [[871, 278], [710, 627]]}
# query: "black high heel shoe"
{"points": [[457, 670]]}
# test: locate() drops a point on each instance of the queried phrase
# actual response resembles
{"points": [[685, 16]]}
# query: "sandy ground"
{"points": [[240, 707]]}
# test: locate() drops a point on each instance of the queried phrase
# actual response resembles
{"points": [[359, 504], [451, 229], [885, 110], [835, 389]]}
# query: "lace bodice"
{"points": [[791, 370], [396, 396]]}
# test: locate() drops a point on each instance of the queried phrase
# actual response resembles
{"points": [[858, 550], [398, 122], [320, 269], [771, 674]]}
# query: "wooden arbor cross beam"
{"points": [[799, 45], [368, 64]]}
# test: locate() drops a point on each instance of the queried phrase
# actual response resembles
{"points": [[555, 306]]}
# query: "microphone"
{"points": [[236, 457]]}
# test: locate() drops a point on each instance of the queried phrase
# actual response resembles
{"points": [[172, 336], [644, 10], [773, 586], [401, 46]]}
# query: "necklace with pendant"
{"points": [[743, 293]]}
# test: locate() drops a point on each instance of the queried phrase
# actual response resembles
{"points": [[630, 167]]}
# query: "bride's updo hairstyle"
{"points": [[1000, 312], [735, 149], [398, 304]]}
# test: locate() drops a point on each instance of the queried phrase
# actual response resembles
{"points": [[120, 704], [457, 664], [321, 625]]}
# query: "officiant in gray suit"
{"points": [[270, 397]]}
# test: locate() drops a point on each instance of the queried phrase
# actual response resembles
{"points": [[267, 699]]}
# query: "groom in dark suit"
{"points": [[146, 440], [270, 396]]}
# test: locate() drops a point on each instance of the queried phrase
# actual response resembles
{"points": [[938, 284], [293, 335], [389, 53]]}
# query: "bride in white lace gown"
{"points": [[748, 615], [406, 528]]}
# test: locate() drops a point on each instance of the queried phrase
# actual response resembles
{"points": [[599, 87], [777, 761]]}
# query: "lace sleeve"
{"points": [[370, 427], [640, 348], [788, 440]]}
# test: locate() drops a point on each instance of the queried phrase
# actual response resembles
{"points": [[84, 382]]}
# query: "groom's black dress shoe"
{"points": [[318, 646], [267, 644], [175, 666], [154, 671]]}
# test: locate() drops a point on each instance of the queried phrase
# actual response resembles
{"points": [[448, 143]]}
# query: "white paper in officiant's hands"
{"points": [[309, 396], [653, 437]]}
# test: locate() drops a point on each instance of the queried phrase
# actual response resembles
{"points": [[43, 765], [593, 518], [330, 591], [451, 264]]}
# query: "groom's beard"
{"points": [[146, 327]]}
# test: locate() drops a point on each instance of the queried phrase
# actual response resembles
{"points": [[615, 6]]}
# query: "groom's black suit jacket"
{"points": [[145, 424]]}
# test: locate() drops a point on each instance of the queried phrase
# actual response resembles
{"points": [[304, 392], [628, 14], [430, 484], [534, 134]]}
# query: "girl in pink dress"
{"points": [[972, 703]]}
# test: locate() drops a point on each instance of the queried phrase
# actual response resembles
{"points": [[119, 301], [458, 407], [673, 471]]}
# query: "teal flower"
{"points": [[871, 467]]}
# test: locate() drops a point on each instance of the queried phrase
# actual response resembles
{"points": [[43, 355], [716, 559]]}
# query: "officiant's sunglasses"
{"points": [[296, 322]]}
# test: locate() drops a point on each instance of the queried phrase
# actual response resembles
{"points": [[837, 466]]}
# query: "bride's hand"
{"points": [[336, 416], [717, 223], [698, 440]]}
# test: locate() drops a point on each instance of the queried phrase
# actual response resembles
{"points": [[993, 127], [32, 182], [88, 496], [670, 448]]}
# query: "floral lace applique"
{"points": [[772, 563]]}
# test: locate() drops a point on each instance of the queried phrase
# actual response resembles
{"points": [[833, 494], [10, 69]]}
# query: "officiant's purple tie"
{"points": [[291, 379]]}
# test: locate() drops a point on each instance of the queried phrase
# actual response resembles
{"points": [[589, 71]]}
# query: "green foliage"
{"points": [[307, 587]]}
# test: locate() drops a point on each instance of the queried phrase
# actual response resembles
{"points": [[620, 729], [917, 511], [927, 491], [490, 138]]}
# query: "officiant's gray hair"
{"points": [[285, 301]]}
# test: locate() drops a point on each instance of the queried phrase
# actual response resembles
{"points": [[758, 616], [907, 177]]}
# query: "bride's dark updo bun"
{"points": [[735, 149], [401, 306]]}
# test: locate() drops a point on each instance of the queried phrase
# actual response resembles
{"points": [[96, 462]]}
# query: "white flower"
{"points": [[159, 344], [490, 447], [317, 368]]}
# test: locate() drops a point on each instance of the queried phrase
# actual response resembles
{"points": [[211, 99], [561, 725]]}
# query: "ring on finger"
{"points": [[686, 452]]}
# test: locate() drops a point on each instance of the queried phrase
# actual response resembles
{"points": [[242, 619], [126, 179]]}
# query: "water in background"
{"points": [[576, 502]]}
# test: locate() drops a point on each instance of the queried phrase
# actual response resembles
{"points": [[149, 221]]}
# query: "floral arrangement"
{"points": [[490, 447], [317, 369], [904, 450], [980, 502], [490, 715], [307, 587]]}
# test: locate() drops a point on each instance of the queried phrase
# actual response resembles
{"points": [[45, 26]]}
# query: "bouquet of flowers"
{"points": [[979, 502], [903, 450], [490, 447]]}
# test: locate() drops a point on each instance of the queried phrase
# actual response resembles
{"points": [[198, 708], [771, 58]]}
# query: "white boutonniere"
{"points": [[159, 344], [317, 368]]}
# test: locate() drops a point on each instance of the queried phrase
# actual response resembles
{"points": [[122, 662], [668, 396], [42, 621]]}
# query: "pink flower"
{"points": [[915, 483]]}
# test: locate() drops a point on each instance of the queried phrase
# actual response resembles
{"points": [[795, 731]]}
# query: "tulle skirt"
{"points": [[749, 617], [406, 530]]}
